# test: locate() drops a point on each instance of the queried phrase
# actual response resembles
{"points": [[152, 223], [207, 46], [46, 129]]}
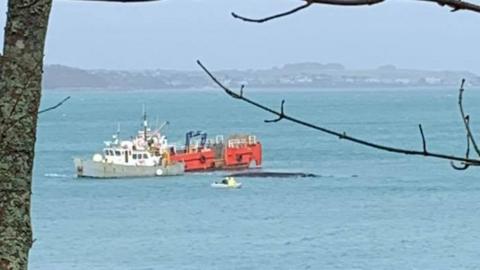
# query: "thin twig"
{"points": [[120, 1], [346, 2], [54, 107], [464, 165], [307, 4], [454, 4], [7, 128], [280, 117], [335, 133], [466, 118], [424, 143]]}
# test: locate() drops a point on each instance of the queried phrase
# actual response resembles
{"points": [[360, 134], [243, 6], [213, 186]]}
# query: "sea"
{"points": [[366, 209]]}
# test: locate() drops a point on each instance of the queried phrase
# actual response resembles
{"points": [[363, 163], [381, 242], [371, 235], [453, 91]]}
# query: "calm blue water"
{"points": [[368, 210]]}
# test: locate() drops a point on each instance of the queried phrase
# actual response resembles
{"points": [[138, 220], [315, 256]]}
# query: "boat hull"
{"points": [[220, 185], [220, 158], [94, 169]]}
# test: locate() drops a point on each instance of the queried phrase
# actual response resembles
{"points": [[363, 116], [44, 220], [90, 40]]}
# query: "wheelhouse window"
{"points": [[145, 156], [117, 153], [134, 156]]}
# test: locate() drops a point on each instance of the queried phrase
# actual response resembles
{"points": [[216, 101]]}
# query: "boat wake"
{"points": [[57, 175], [274, 174]]}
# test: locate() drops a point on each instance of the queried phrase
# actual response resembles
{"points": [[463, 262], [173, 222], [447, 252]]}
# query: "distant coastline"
{"points": [[291, 76]]}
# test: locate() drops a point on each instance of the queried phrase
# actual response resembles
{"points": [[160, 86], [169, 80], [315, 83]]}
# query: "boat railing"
{"points": [[240, 142], [252, 139], [234, 143]]}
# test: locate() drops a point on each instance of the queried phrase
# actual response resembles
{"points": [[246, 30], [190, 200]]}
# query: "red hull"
{"points": [[235, 154]]}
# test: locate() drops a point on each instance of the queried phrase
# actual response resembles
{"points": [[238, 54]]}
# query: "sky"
{"points": [[173, 34]]}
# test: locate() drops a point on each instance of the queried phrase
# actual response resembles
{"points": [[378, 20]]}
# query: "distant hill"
{"points": [[300, 75]]}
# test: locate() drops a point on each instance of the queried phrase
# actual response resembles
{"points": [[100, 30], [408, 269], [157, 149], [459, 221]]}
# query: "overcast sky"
{"points": [[173, 34]]}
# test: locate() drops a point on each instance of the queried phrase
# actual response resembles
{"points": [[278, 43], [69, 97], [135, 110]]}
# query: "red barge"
{"points": [[235, 152]]}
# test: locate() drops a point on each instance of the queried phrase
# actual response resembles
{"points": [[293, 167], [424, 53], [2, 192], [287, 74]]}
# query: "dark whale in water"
{"points": [[273, 174]]}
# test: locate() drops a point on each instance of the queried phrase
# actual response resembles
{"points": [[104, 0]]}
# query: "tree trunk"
{"points": [[20, 90]]}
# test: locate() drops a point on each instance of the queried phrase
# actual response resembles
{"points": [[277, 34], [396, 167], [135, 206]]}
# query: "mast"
{"points": [[144, 123], [117, 135]]}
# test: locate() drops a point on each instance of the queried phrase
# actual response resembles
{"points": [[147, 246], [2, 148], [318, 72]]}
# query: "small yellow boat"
{"points": [[227, 182]]}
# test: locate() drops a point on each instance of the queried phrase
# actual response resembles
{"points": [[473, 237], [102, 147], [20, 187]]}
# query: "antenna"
{"points": [[145, 124], [164, 124], [117, 135], [118, 131]]}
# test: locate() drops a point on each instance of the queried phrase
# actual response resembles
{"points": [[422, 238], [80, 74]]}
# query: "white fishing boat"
{"points": [[145, 155]]}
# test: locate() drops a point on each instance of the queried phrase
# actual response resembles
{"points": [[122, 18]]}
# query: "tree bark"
{"points": [[20, 90]]}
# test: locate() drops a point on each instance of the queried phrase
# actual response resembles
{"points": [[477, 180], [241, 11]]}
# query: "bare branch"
{"points": [[228, 91], [423, 139], [466, 118], [463, 165], [54, 107], [120, 1], [280, 117], [454, 4], [274, 16], [346, 2], [343, 135], [3, 132]]}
